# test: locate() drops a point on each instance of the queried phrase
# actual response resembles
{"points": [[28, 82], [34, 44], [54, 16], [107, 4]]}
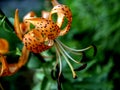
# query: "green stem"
{"points": [[1, 88], [2, 15]]}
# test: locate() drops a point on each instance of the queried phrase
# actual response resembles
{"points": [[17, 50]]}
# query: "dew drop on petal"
{"points": [[49, 42]]}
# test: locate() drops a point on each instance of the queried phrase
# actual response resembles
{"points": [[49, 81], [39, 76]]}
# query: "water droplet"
{"points": [[49, 42]]}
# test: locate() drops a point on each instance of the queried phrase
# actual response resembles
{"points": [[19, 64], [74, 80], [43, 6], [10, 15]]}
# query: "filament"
{"points": [[74, 50], [67, 53], [64, 55], [58, 59]]}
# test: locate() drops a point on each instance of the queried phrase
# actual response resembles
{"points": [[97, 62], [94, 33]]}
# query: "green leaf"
{"points": [[32, 26], [44, 83]]}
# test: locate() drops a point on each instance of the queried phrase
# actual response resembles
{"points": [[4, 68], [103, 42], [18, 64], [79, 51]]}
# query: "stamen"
{"points": [[58, 59], [74, 50], [64, 55], [71, 67], [81, 67]]}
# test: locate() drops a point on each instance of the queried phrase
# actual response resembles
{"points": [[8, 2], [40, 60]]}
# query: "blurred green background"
{"points": [[94, 22]]}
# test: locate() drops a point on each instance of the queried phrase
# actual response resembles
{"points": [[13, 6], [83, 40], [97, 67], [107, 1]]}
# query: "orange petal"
{"points": [[63, 12], [17, 25], [4, 46]]}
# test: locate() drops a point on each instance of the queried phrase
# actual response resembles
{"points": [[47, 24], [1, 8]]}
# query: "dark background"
{"points": [[94, 22]]}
